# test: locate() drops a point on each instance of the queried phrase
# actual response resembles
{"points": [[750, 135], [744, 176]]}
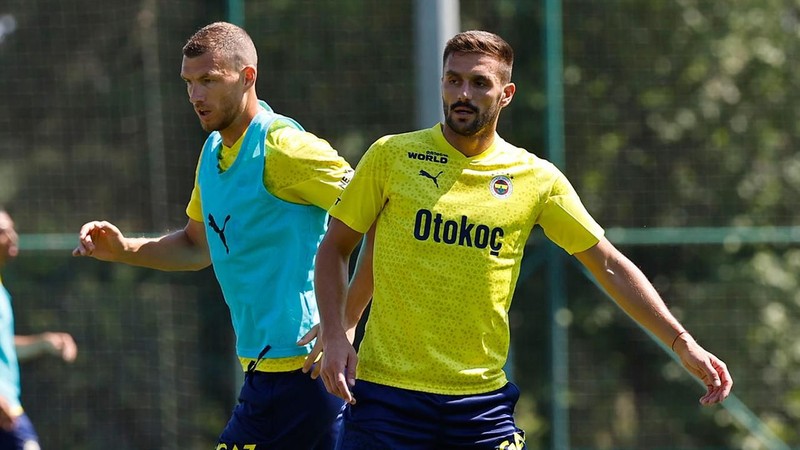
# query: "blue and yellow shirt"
{"points": [[264, 203]]}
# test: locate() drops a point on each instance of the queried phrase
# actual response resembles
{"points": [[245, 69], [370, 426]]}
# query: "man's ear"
{"points": [[249, 76], [508, 93]]}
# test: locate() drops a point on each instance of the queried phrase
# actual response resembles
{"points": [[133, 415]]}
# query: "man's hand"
{"points": [[61, 345], [101, 240], [338, 363], [7, 418], [338, 371], [316, 351], [705, 366], [313, 358]]}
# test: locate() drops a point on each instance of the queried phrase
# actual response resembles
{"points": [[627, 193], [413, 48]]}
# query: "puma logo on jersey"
{"points": [[220, 231], [462, 232], [430, 155], [433, 178]]}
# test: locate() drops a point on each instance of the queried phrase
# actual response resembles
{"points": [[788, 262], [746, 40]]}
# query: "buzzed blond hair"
{"points": [[226, 40]]}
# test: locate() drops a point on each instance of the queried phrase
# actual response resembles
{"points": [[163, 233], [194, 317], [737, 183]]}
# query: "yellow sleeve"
{"points": [[302, 168], [565, 220], [195, 209], [365, 196]]}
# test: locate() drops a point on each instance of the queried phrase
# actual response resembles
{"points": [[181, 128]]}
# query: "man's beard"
{"points": [[472, 128], [228, 116]]}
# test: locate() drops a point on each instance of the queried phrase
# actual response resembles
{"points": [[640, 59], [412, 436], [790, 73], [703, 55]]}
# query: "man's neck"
{"points": [[469, 146], [235, 130]]}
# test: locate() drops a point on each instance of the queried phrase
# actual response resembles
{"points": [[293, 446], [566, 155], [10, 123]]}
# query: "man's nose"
{"points": [[196, 94]]}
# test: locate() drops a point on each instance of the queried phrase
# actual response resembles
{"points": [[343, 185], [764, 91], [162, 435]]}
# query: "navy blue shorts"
{"points": [[388, 418], [22, 437], [283, 410]]}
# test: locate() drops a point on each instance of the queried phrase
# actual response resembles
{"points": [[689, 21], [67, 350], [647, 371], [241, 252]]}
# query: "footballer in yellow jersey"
{"points": [[452, 208], [449, 240]]}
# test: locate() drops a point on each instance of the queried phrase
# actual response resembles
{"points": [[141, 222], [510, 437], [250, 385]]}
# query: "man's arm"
{"points": [[48, 343], [359, 294], [339, 360], [634, 293], [184, 249]]}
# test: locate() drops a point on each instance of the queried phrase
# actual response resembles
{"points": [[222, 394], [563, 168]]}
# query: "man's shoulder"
{"points": [[394, 143], [524, 156], [286, 137], [285, 126], [424, 134]]}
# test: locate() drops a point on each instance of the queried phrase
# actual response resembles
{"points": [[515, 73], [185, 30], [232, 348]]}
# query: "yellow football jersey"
{"points": [[449, 241]]}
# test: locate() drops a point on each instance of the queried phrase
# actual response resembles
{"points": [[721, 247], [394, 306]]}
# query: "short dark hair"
{"points": [[227, 39], [485, 43]]}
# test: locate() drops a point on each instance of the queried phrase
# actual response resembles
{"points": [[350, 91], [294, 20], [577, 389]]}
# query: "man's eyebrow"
{"points": [[478, 77]]}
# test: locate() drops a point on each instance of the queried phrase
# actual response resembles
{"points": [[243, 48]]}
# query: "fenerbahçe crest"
{"points": [[500, 186]]}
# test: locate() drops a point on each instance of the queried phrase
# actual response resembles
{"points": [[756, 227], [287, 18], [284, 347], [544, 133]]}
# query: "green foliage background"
{"points": [[678, 114]]}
